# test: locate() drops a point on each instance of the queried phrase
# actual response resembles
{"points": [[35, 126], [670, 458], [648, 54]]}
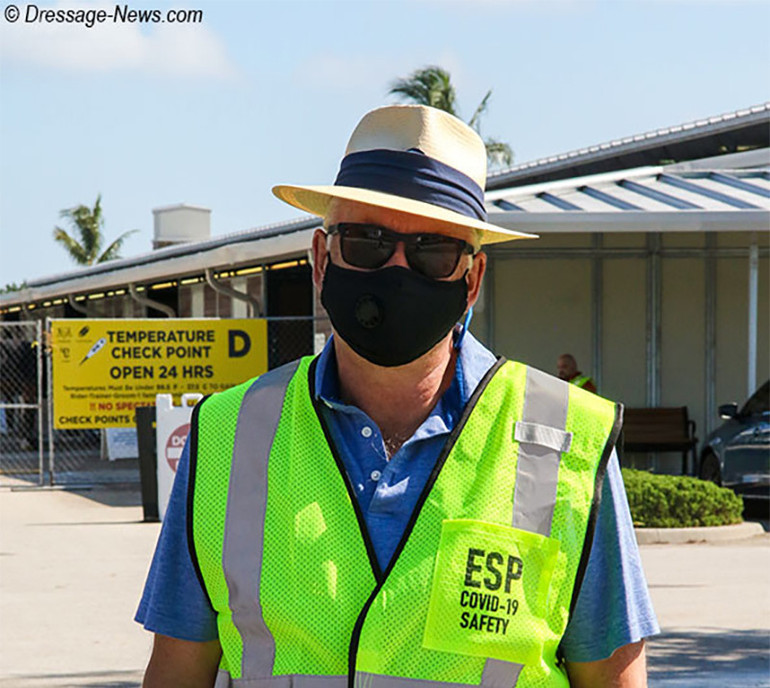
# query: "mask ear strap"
{"points": [[464, 329]]}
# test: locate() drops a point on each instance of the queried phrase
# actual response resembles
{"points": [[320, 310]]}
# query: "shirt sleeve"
{"points": [[173, 602], [613, 607]]}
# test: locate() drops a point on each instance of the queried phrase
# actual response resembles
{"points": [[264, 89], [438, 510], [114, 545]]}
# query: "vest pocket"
{"points": [[490, 591]]}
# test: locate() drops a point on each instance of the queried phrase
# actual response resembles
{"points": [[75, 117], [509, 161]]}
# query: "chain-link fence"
{"points": [[21, 401], [88, 457], [288, 338]]}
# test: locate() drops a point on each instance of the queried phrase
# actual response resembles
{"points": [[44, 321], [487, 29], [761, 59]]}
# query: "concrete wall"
{"points": [[542, 306], [732, 335], [543, 309], [683, 332], [624, 340]]}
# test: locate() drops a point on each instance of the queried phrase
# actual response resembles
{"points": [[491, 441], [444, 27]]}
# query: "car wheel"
{"points": [[710, 470]]}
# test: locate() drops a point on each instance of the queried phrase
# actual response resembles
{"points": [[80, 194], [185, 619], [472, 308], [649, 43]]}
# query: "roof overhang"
{"points": [[633, 221], [166, 264], [646, 199]]}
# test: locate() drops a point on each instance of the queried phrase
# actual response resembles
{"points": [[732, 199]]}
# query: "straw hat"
{"points": [[414, 159]]}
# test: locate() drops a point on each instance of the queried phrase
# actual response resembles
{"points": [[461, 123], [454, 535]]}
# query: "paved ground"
{"points": [[713, 604], [72, 566]]}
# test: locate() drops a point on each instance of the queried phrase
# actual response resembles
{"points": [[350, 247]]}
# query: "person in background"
{"points": [[568, 371]]}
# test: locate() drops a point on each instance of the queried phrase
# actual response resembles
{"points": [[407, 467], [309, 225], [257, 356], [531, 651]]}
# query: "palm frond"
{"points": [[73, 246], [88, 224], [113, 250], [97, 211], [499, 154], [430, 85], [79, 221], [480, 110]]}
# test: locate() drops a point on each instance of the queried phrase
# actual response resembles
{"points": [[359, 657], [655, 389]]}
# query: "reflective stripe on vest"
{"points": [[365, 680], [257, 422], [542, 439], [224, 680]]}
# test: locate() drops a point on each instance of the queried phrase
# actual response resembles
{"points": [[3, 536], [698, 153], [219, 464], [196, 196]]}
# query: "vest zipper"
{"points": [[355, 638]]}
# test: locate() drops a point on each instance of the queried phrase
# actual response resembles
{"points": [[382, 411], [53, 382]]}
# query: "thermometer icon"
{"points": [[95, 349]]}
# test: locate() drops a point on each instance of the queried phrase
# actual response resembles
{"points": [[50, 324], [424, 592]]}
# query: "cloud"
{"points": [[167, 49]]}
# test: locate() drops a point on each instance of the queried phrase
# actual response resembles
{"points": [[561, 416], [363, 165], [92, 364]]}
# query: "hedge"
{"points": [[674, 501]]}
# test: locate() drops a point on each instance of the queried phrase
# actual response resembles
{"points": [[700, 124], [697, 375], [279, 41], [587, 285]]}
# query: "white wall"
{"points": [[542, 307]]}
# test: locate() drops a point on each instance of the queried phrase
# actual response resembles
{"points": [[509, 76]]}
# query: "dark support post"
{"points": [[597, 306], [148, 461]]}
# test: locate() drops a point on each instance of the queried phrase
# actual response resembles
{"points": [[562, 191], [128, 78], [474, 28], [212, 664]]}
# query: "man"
{"points": [[568, 371], [405, 508]]}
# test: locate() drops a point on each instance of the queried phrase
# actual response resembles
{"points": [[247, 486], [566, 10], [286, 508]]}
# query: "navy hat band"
{"points": [[412, 174]]}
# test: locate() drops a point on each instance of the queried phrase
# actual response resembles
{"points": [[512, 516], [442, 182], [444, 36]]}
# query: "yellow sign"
{"points": [[104, 369]]}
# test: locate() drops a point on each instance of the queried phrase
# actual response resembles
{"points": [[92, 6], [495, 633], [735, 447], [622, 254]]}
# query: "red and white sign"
{"points": [[175, 444], [172, 427]]}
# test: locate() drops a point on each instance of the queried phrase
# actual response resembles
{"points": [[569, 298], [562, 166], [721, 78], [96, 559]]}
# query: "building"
{"points": [[652, 268]]}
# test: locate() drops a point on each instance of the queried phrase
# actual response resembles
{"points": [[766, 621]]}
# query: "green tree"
{"points": [[433, 86], [12, 286], [84, 243]]}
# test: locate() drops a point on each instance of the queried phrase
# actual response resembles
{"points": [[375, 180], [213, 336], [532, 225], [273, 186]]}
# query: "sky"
{"points": [[258, 93]]}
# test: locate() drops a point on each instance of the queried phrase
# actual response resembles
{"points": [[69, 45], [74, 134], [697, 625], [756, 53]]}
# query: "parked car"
{"points": [[737, 453]]}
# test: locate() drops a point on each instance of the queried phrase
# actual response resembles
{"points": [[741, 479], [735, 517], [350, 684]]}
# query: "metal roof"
{"points": [[679, 197], [647, 199], [730, 132], [168, 253], [269, 244]]}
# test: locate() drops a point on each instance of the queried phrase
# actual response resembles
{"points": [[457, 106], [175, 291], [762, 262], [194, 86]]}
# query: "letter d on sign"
{"points": [[238, 343]]}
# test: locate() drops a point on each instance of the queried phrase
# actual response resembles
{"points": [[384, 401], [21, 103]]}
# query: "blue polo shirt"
{"points": [[613, 607]]}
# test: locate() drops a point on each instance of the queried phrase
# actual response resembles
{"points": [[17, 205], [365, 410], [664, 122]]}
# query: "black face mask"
{"points": [[394, 315]]}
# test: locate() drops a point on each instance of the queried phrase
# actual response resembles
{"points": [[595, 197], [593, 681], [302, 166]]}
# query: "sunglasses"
{"points": [[370, 246]]}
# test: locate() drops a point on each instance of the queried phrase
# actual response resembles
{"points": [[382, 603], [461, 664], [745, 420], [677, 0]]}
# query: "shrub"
{"points": [[674, 501]]}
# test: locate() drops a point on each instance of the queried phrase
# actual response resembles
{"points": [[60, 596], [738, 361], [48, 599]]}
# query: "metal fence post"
{"points": [[49, 368], [39, 360]]}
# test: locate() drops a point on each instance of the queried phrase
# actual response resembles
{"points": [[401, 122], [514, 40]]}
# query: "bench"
{"points": [[659, 430]]}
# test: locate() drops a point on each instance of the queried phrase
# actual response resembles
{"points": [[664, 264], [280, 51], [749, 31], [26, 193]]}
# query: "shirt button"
{"points": [[375, 475], [366, 431]]}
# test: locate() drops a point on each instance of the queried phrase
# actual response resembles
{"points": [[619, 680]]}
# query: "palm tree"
{"points": [[88, 223], [12, 286], [433, 86]]}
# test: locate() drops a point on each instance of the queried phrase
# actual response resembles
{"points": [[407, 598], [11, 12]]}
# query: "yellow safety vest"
{"points": [[481, 586], [580, 380]]}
